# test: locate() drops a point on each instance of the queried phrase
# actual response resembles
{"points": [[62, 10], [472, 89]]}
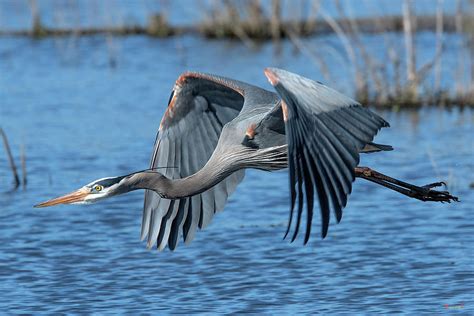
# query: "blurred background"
{"points": [[83, 86]]}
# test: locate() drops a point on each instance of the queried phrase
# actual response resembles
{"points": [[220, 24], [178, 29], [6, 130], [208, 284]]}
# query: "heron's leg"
{"points": [[423, 193]]}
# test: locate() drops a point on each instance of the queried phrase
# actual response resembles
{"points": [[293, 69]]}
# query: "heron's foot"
{"points": [[426, 193], [434, 185], [423, 193]]}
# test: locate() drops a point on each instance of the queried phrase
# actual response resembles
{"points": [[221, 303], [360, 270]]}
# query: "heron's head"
{"points": [[90, 193]]}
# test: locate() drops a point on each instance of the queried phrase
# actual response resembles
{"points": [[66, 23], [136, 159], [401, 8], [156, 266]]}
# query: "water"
{"points": [[80, 120]]}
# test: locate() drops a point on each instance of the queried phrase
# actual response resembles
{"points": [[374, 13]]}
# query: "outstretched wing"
{"points": [[200, 105], [325, 132]]}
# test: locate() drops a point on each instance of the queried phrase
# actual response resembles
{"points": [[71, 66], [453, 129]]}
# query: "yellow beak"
{"points": [[73, 197]]}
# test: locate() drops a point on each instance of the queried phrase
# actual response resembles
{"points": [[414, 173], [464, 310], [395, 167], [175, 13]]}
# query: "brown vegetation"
{"points": [[231, 24], [11, 160], [398, 81]]}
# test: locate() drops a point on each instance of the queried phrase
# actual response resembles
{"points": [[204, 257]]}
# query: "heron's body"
{"points": [[214, 128]]}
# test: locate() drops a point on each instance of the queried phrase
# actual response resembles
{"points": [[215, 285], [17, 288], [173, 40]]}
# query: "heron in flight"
{"points": [[214, 128]]}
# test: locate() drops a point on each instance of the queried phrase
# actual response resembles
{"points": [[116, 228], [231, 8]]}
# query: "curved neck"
{"points": [[218, 167], [197, 183]]}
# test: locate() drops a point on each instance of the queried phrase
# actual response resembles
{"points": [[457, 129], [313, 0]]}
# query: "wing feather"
{"points": [[177, 224], [292, 166], [325, 132], [299, 183], [162, 238], [175, 159], [188, 221], [199, 107]]}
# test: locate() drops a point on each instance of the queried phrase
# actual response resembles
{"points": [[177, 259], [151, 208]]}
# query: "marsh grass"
{"points": [[398, 80], [11, 161]]}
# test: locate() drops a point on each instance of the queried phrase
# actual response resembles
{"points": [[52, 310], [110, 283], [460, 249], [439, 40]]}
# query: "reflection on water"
{"points": [[82, 120]]}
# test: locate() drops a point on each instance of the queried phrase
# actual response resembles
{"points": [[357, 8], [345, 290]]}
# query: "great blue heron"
{"points": [[214, 128]]}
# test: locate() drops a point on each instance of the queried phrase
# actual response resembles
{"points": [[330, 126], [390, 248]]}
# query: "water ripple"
{"points": [[388, 255]]}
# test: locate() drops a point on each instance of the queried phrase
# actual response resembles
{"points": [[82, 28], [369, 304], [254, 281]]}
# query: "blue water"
{"points": [[81, 119]]}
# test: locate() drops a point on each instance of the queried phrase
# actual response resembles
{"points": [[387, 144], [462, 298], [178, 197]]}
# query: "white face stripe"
{"points": [[109, 184], [98, 180]]}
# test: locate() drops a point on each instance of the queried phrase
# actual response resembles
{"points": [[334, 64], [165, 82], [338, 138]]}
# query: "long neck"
{"points": [[197, 183], [218, 167]]}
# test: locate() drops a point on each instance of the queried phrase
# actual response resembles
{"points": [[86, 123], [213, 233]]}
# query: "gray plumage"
{"points": [[214, 128], [209, 114]]}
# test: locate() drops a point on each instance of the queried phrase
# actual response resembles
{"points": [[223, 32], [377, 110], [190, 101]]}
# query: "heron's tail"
{"points": [[373, 147], [423, 193]]}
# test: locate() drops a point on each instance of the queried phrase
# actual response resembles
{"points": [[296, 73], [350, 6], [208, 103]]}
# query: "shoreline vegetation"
{"points": [[259, 29], [399, 80]]}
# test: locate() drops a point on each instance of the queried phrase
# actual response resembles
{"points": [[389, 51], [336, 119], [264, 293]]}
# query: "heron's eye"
{"points": [[98, 187]]}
